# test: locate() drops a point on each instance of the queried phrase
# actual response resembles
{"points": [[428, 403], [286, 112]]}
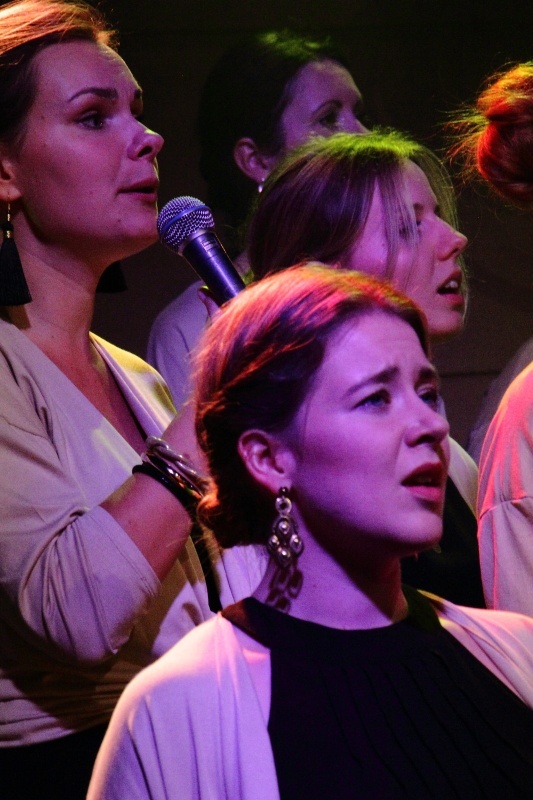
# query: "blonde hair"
{"points": [[316, 202]]}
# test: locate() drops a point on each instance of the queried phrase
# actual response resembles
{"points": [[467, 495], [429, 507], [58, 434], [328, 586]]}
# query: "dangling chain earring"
{"points": [[13, 287], [285, 544]]}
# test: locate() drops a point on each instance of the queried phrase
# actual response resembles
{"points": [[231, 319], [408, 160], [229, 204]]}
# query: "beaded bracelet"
{"points": [[175, 483]]}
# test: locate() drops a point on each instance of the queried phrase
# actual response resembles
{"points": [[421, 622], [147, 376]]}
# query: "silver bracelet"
{"points": [[158, 449]]}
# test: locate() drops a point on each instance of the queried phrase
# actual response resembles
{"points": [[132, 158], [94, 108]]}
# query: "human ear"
{"points": [[268, 460], [9, 190], [252, 161]]}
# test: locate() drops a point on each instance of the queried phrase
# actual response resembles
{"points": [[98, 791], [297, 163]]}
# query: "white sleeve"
{"points": [[173, 338], [72, 580], [464, 473], [506, 501]]}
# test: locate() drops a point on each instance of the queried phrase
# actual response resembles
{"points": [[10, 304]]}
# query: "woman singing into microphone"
{"points": [[98, 576]]}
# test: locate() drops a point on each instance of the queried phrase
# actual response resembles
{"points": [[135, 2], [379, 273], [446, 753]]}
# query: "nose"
{"points": [[452, 242], [426, 425], [145, 144], [352, 124]]}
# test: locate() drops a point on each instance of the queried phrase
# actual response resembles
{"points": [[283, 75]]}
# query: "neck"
{"points": [[59, 317], [331, 595], [242, 264]]}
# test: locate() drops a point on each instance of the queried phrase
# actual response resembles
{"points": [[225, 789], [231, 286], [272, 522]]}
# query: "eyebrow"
{"points": [[420, 206], [429, 374], [384, 376], [105, 93], [358, 102], [388, 374]]}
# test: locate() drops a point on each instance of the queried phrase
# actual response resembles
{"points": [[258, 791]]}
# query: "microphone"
{"points": [[185, 226]]}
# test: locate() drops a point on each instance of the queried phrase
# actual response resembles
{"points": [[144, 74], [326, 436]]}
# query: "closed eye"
{"points": [[410, 231], [137, 109]]}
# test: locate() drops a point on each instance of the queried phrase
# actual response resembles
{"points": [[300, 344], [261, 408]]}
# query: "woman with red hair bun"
{"points": [[499, 134], [498, 145]]}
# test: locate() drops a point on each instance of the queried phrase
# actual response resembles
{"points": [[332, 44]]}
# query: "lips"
{"points": [[427, 482], [452, 285], [147, 187]]}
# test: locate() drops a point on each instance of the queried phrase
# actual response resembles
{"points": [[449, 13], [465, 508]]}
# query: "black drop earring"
{"points": [[13, 287]]}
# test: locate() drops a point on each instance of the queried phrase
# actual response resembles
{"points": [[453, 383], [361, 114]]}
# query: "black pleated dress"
{"points": [[403, 711]]}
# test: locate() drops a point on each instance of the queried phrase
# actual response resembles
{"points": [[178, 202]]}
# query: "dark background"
{"points": [[414, 60]]}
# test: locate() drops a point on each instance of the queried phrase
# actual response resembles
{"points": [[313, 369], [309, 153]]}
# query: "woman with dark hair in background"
{"points": [[268, 93], [97, 574], [382, 204], [496, 136], [317, 408]]}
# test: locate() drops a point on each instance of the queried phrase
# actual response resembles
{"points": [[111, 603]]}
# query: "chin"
{"points": [[136, 244], [424, 538], [429, 541], [443, 333]]}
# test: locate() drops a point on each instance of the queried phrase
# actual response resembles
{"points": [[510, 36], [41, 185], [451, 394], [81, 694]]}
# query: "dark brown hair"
{"points": [[254, 371], [245, 95]]}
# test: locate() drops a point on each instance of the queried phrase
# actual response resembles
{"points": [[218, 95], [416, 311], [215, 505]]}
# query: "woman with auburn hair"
{"points": [[317, 409], [496, 137], [383, 204], [98, 575]]}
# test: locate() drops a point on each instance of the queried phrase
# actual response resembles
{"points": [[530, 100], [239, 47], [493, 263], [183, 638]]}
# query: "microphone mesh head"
{"points": [[180, 218]]}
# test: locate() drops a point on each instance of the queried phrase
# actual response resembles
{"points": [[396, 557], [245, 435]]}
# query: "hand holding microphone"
{"points": [[185, 226]]}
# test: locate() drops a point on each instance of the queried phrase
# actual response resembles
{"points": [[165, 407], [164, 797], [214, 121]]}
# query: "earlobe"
{"points": [[267, 459], [252, 161], [9, 190]]}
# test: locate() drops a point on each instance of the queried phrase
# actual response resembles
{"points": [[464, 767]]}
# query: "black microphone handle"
{"points": [[210, 261]]}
